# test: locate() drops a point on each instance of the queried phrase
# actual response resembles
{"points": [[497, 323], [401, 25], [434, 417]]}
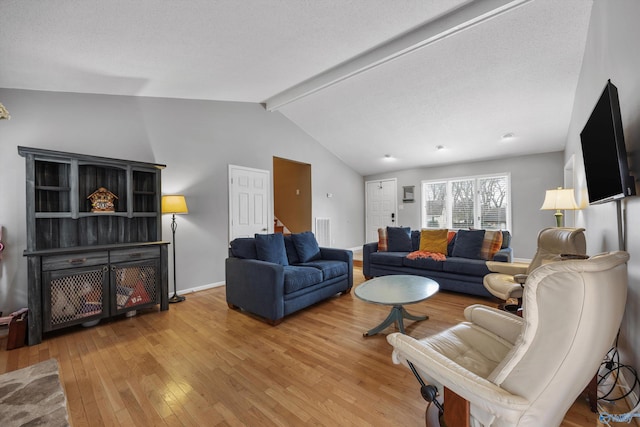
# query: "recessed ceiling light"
{"points": [[388, 158]]}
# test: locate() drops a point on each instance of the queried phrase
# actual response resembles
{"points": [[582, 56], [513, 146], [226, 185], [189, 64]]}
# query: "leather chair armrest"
{"points": [[520, 278], [502, 323]]}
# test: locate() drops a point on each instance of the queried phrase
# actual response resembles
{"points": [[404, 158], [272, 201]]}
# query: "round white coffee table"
{"points": [[397, 291]]}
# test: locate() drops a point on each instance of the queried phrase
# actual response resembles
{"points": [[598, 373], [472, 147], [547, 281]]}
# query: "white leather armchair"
{"points": [[552, 242], [528, 371]]}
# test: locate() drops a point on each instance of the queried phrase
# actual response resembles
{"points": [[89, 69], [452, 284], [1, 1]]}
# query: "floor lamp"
{"points": [[174, 204]]}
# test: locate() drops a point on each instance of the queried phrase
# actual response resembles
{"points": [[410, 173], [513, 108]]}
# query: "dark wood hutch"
{"points": [[89, 262]]}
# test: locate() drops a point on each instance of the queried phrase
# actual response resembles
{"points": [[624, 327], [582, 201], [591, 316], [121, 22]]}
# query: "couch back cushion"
{"points": [[306, 246], [270, 248], [244, 247], [290, 248], [434, 241], [491, 244], [468, 244], [399, 239]]}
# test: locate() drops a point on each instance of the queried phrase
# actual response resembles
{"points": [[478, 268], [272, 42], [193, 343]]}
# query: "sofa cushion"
{"points": [[270, 248], [399, 239], [296, 278], [434, 241], [290, 248], [471, 267], [244, 247], [423, 263], [387, 258], [415, 240], [382, 239], [329, 268], [490, 244], [468, 244], [306, 246]]}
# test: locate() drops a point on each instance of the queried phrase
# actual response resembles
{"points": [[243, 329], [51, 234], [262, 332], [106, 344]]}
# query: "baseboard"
{"points": [[632, 398], [201, 288]]}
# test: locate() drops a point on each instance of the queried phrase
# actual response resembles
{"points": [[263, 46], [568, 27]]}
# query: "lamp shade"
{"points": [[4, 114], [560, 198], [174, 204]]}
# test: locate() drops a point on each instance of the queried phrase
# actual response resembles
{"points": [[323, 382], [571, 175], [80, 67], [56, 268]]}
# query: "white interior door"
{"points": [[382, 205], [249, 202]]}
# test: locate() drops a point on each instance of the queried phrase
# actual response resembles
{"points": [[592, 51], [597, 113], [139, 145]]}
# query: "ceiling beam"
{"points": [[466, 16]]}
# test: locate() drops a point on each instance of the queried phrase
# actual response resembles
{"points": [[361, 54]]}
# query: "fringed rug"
{"points": [[33, 396]]}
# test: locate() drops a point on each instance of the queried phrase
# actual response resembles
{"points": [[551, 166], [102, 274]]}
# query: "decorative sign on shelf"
{"points": [[102, 200]]}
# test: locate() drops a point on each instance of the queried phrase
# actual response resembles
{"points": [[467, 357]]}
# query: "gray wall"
{"points": [[197, 140], [612, 53], [531, 176]]}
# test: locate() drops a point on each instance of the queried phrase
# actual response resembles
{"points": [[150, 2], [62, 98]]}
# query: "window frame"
{"points": [[449, 202]]}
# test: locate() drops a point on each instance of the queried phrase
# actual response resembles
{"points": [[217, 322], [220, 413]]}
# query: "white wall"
{"points": [[197, 140], [612, 53], [531, 176]]}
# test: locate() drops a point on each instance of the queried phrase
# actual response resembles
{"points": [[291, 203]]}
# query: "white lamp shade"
{"points": [[174, 204], [560, 198]]}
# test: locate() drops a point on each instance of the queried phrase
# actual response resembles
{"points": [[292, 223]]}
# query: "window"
{"points": [[472, 202]]}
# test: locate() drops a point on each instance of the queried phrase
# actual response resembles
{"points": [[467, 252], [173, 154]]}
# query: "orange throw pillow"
{"points": [[382, 239], [434, 241]]}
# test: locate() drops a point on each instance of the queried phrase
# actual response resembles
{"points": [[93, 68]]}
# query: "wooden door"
{"points": [[249, 202], [382, 204]]}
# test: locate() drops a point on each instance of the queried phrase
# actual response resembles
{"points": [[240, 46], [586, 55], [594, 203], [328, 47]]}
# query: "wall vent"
{"points": [[323, 231]]}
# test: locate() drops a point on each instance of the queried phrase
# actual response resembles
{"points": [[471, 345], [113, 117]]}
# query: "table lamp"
{"points": [[559, 199]]}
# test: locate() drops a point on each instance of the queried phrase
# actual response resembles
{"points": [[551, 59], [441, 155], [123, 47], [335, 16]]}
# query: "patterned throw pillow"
{"points": [[491, 244], [434, 241], [382, 239]]}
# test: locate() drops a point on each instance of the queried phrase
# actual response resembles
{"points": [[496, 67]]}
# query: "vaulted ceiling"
{"points": [[365, 78]]}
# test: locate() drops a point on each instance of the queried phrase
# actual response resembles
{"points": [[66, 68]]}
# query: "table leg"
{"points": [[397, 314]]}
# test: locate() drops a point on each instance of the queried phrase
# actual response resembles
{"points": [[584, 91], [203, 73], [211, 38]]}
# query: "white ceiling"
{"points": [[363, 77]]}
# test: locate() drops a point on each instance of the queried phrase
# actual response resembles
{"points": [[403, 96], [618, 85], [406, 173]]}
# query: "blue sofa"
{"points": [[457, 273], [272, 276]]}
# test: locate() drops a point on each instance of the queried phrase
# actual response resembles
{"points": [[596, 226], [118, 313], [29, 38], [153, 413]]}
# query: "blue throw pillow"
{"points": [[270, 248], [292, 253], [468, 244], [306, 246], [244, 247], [399, 239]]}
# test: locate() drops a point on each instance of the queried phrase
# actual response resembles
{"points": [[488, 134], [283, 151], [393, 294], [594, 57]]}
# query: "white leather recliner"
{"points": [[528, 371], [552, 242]]}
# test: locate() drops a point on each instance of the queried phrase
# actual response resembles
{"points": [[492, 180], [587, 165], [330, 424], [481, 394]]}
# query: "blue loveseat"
{"points": [[272, 275], [462, 271]]}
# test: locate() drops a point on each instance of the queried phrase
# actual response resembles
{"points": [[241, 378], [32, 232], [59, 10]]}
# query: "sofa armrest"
{"points": [[340, 255], [255, 286], [367, 250], [503, 255]]}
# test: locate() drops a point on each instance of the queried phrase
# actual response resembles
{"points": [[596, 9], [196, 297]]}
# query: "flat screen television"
{"points": [[604, 151]]}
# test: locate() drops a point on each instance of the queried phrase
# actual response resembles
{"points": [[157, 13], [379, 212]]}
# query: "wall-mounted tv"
{"points": [[604, 151]]}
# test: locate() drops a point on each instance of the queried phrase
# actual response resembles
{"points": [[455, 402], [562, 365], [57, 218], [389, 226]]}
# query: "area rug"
{"points": [[33, 396]]}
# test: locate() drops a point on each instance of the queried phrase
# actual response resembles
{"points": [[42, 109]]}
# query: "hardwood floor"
{"points": [[202, 364]]}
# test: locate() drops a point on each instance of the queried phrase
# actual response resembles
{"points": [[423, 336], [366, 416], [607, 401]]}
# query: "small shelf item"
{"points": [[102, 200]]}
